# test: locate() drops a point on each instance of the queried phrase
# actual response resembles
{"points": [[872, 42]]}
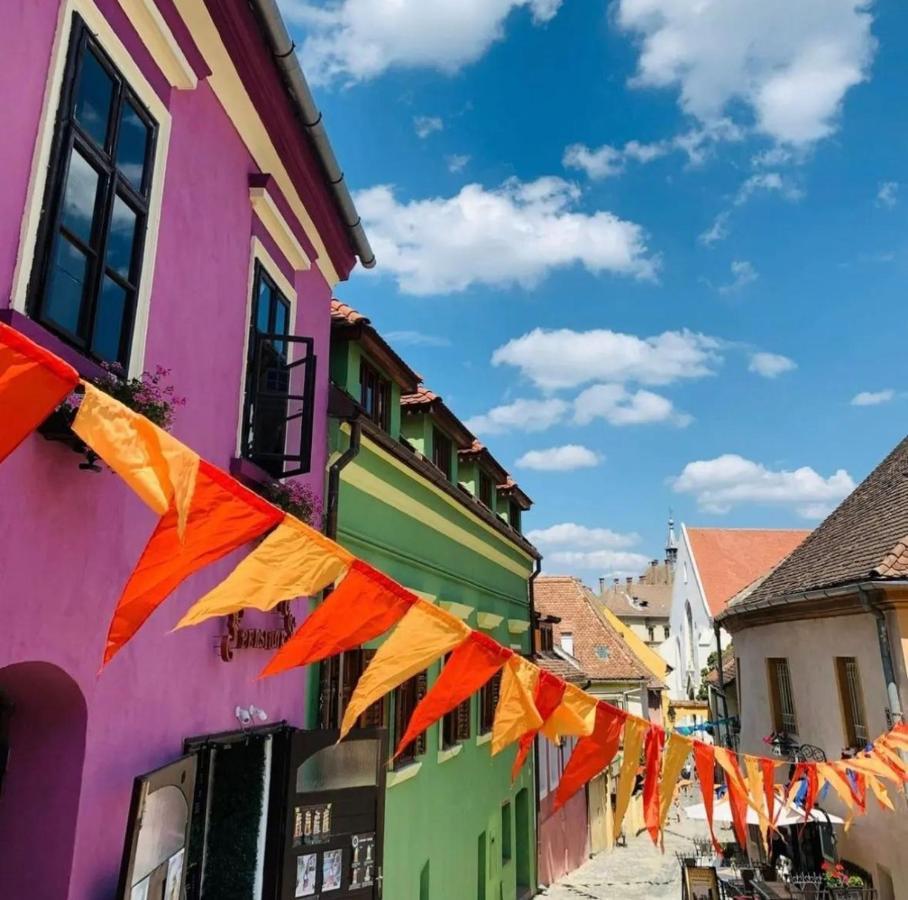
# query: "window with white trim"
{"points": [[88, 258]]}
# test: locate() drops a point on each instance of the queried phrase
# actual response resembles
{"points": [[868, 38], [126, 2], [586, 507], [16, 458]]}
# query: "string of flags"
{"points": [[205, 514]]}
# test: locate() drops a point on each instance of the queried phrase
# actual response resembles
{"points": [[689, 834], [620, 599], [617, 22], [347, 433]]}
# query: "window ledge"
{"points": [[450, 753], [405, 773], [483, 738], [36, 332], [248, 472]]}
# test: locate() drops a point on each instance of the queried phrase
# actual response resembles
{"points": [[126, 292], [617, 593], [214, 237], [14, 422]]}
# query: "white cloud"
{"points": [[521, 415], [516, 234], [767, 181], [564, 358], [354, 40], [872, 398], [731, 480], [619, 406], [790, 71], [416, 339], [774, 182], [742, 274], [560, 459], [718, 231], [774, 156], [604, 162], [426, 125], [887, 195], [770, 365], [607, 161], [609, 563], [457, 161], [570, 546], [569, 534]]}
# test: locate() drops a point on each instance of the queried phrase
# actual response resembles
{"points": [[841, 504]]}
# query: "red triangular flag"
{"points": [[467, 669], [223, 515], [592, 753], [549, 691], [361, 608]]}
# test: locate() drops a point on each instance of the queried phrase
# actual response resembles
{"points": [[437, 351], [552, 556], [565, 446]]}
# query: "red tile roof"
{"points": [[601, 651], [865, 537], [342, 312], [421, 397], [560, 668], [729, 559]]}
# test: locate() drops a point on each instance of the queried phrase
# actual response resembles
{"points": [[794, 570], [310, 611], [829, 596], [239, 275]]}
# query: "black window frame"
{"points": [[457, 725], [486, 489], [275, 384], [406, 698], [442, 452], [379, 409], [70, 137], [488, 701], [514, 515]]}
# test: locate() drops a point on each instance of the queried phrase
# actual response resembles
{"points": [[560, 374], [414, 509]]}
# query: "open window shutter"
{"points": [[374, 716]]}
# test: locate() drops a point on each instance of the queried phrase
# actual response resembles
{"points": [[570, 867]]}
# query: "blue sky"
{"points": [[662, 252]]}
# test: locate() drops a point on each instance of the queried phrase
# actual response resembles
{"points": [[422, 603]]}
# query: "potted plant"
{"points": [[290, 496], [842, 884], [149, 395]]}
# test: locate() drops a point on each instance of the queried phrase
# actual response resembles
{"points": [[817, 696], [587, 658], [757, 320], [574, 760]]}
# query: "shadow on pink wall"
{"points": [[40, 790], [563, 837]]}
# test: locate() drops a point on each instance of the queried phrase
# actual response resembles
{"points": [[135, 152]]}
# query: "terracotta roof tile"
{"points": [[638, 600], [422, 396], [865, 537], [561, 668], [598, 647], [729, 559], [342, 312]]}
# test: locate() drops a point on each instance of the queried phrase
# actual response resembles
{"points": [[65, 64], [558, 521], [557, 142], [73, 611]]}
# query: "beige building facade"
{"points": [[821, 644]]}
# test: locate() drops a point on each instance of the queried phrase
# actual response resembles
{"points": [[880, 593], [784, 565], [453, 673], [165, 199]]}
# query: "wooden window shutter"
{"points": [[463, 720], [422, 688], [327, 692]]}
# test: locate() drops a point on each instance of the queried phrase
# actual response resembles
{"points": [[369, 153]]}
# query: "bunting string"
{"points": [[205, 514]]}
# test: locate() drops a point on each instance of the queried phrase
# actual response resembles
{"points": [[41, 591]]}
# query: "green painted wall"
{"points": [[436, 819]]}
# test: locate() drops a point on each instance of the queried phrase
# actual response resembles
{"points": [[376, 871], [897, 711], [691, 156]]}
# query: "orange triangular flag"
{"points": [[548, 697], [294, 561], [223, 516], [423, 636], [33, 382]]}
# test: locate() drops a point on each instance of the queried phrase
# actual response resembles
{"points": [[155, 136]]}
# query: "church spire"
{"points": [[671, 546]]}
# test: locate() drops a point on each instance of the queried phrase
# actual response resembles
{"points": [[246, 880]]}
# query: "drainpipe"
{"points": [[882, 629], [331, 504], [531, 592], [334, 474], [718, 632], [284, 51]]}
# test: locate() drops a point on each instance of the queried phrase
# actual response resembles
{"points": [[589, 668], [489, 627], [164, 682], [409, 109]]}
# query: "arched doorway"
{"points": [[42, 748]]}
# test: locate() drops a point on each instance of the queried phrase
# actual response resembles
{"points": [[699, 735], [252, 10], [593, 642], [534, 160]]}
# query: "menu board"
{"points": [[362, 860]]}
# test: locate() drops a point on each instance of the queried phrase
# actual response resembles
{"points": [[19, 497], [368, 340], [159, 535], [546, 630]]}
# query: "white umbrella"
{"points": [[792, 814]]}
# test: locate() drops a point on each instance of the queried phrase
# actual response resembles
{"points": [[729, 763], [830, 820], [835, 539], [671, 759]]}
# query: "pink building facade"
{"points": [[163, 134]]}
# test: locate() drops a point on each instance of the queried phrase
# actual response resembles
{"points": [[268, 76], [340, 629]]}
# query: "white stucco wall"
{"points": [[880, 838], [677, 650]]}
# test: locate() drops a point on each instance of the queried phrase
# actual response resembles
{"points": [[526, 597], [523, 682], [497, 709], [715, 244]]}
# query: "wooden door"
{"points": [[335, 812]]}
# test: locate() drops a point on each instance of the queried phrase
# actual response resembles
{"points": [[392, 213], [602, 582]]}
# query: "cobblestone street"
{"points": [[635, 872]]}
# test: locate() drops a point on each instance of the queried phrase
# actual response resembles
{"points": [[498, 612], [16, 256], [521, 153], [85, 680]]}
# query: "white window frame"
{"points": [[259, 254]]}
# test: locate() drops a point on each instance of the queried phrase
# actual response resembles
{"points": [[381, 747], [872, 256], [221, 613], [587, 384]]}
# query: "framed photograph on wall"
{"points": [[701, 883]]}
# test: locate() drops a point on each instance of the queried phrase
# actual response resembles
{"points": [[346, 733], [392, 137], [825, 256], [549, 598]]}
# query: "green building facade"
{"points": [[425, 503]]}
